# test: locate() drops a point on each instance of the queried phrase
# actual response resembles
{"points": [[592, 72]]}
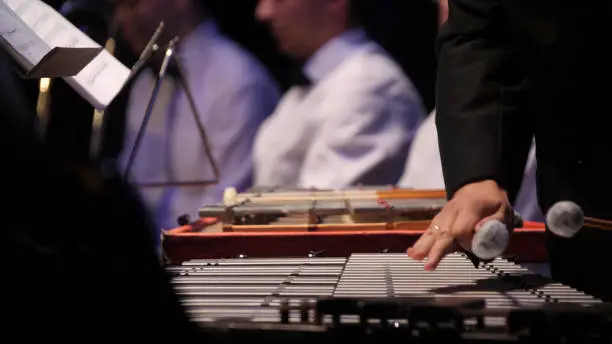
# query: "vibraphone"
{"points": [[379, 296], [281, 223]]}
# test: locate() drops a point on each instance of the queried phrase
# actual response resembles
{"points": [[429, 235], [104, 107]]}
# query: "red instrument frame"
{"points": [[527, 244]]}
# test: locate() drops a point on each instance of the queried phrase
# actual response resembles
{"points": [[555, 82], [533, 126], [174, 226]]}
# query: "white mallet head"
{"points": [[230, 196], [565, 219], [491, 240]]}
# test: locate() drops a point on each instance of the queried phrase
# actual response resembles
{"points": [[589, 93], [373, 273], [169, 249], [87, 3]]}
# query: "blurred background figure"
{"points": [[423, 168], [405, 29], [233, 92], [352, 115]]}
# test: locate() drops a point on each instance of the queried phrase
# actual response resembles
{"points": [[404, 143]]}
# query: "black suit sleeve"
{"points": [[481, 96]]}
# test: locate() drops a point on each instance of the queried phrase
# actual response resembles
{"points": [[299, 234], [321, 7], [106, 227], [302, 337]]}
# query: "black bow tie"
{"points": [[298, 78], [302, 80]]}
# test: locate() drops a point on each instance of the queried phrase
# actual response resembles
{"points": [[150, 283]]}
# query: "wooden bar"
{"points": [[401, 225], [592, 222], [340, 195]]}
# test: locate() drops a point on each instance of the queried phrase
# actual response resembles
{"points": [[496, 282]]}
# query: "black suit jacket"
{"points": [[512, 69]]}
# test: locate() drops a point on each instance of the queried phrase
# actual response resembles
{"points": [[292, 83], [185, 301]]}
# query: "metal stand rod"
{"points": [[151, 105]]}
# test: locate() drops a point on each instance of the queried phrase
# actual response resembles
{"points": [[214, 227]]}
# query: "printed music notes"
{"points": [[35, 56], [101, 81], [30, 49], [40, 34]]}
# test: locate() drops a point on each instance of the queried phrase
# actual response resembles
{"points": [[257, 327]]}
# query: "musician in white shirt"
{"points": [[423, 170], [355, 122], [233, 94]]}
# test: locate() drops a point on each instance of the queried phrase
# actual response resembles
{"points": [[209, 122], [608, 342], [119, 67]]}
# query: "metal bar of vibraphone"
{"points": [[242, 301], [410, 279], [371, 193], [300, 196], [292, 202], [241, 278], [264, 261], [311, 282], [334, 198], [323, 207], [270, 289], [556, 291], [212, 301], [288, 282], [328, 206], [364, 275], [255, 270], [561, 292], [262, 316], [256, 280], [220, 290]]}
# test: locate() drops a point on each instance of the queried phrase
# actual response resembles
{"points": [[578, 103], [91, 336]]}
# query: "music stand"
{"points": [[169, 58]]}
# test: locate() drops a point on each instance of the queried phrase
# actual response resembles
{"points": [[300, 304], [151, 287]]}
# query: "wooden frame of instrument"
{"points": [[527, 244]]}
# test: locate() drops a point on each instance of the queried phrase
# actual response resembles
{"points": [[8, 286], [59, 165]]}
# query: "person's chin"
{"points": [[290, 51]]}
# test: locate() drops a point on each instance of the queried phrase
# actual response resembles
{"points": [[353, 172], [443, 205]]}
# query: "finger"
{"points": [[421, 248], [442, 246], [464, 227], [418, 251], [425, 240]]}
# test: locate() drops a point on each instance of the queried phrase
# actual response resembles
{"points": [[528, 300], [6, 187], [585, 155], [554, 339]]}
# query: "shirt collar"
{"points": [[333, 53]]}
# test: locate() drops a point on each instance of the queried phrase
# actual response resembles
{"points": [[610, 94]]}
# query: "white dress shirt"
{"points": [[423, 170], [233, 93], [354, 124]]}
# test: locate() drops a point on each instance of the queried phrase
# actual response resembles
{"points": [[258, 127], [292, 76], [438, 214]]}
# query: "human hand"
{"points": [[471, 206]]}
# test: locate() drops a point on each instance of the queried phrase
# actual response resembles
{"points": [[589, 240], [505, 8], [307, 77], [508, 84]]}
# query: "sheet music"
{"points": [[30, 48], [50, 25], [101, 80]]}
